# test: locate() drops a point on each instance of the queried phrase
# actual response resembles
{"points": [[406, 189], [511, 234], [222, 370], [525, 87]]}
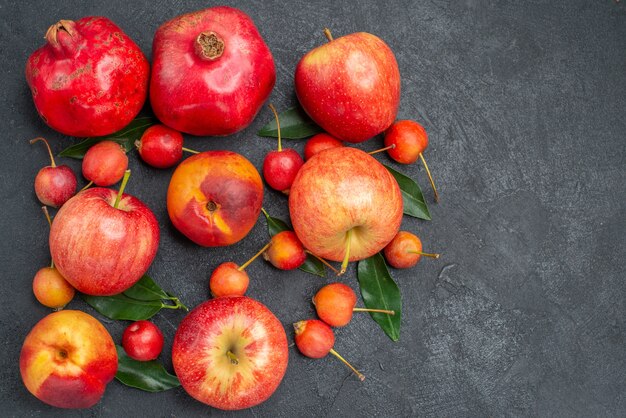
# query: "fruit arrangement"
{"points": [[211, 73]]}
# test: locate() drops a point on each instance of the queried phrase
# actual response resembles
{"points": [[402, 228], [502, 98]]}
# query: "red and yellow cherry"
{"points": [[104, 163], [335, 304], [142, 341], [405, 250], [318, 143], [229, 279], [54, 185], [160, 146], [410, 140], [49, 286], [315, 339], [280, 167], [51, 289], [285, 251]]}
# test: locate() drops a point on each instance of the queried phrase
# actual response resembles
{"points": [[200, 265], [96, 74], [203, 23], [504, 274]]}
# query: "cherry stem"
{"points": [[47, 214], [177, 304], [88, 185], [271, 106], [430, 177], [247, 263], [191, 151], [358, 373], [39, 138], [122, 187], [431, 255], [392, 146], [232, 357], [329, 35], [385, 311], [346, 257], [326, 263]]}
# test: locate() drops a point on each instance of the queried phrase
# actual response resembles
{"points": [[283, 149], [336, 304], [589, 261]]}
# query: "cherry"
{"points": [[285, 251], [160, 146], [405, 250], [280, 167], [335, 304], [142, 341], [229, 279], [51, 289], [410, 140], [49, 286], [320, 142], [104, 163], [54, 185], [315, 339]]}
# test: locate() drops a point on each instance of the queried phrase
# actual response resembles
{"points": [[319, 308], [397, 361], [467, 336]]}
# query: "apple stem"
{"points": [[329, 35], [326, 263], [385, 311], [39, 138], [358, 373], [431, 255], [430, 177], [232, 357], [247, 263], [122, 187], [191, 151], [392, 146], [88, 185], [271, 106], [346, 257]]}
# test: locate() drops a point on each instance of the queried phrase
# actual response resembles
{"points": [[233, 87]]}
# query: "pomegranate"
{"points": [[90, 79], [211, 72]]}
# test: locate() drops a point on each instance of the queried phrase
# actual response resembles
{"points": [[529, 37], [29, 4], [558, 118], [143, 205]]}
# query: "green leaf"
{"points": [[150, 376], [412, 197], [125, 137], [123, 307], [146, 289], [380, 291], [294, 124], [312, 264]]}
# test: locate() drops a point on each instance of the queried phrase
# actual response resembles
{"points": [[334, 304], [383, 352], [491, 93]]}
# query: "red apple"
{"points": [[230, 353], [67, 360], [345, 205], [214, 198], [350, 86], [100, 249]]}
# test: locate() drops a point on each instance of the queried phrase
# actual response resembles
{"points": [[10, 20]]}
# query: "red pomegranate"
{"points": [[211, 72], [90, 79]]}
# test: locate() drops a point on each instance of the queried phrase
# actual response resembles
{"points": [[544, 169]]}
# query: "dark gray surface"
{"points": [[524, 314]]}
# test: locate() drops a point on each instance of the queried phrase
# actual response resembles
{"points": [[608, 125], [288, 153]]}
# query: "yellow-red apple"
{"points": [[214, 198], [230, 353], [100, 249], [350, 86], [345, 205], [67, 360]]}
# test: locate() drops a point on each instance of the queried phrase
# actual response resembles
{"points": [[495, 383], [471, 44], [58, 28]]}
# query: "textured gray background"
{"points": [[524, 314]]}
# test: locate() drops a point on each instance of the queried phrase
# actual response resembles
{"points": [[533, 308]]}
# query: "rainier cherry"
{"points": [[142, 341], [280, 167], [285, 251], [315, 339], [229, 279], [104, 163], [54, 185], [405, 250], [336, 302], [49, 286], [319, 143], [160, 146], [410, 140]]}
